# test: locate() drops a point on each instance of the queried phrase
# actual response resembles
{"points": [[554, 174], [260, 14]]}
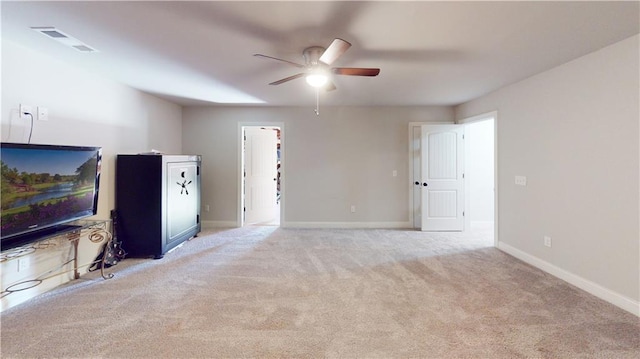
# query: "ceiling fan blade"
{"points": [[287, 79], [277, 59], [355, 71], [337, 48]]}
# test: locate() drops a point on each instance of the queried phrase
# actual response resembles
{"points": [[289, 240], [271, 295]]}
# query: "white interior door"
{"points": [[442, 177], [260, 165]]}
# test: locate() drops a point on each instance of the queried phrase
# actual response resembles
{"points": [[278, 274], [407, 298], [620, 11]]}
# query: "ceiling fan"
{"points": [[317, 65]]}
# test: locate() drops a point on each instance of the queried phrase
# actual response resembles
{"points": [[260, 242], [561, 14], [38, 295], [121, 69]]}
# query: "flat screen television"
{"points": [[44, 188]]}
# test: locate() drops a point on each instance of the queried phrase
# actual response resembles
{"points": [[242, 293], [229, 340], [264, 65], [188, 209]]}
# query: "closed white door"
{"points": [[442, 177], [261, 159]]}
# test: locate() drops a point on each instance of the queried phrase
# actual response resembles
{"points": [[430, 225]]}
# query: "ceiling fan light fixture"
{"points": [[317, 79]]}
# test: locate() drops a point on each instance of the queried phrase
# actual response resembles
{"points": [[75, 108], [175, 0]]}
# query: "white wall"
{"points": [[573, 131], [343, 157], [84, 109]]}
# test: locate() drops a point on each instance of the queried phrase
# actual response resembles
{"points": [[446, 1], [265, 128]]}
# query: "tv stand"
{"points": [[40, 235], [96, 231]]}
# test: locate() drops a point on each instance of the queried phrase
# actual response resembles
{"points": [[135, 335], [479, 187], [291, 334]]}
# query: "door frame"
{"points": [[240, 168], [466, 120]]}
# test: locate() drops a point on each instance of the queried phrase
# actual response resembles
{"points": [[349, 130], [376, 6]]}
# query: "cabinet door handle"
{"points": [[425, 184], [417, 183]]}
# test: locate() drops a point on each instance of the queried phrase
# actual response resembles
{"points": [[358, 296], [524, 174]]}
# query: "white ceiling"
{"points": [[430, 53]]}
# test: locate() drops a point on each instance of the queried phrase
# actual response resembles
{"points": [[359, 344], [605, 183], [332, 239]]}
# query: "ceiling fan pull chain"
{"points": [[317, 110]]}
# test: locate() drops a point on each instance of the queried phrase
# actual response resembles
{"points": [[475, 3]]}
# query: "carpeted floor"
{"points": [[290, 293]]}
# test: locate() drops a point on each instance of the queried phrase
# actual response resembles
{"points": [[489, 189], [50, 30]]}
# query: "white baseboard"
{"points": [[619, 300], [482, 223], [333, 225], [348, 225], [219, 224]]}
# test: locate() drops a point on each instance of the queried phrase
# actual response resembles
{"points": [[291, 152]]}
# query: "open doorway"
{"points": [[261, 175], [480, 175]]}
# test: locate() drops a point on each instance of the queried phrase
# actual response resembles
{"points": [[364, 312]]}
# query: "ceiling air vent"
{"points": [[53, 33], [61, 37], [83, 48]]}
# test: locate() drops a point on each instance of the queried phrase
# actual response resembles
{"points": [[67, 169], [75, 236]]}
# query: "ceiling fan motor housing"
{"points": [[312, 55]]}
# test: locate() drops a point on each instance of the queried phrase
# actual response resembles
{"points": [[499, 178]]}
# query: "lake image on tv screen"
{"points": [[44, 187]]}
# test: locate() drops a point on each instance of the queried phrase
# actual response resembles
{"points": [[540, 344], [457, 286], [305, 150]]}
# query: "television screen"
{"points": [[45, 186]]}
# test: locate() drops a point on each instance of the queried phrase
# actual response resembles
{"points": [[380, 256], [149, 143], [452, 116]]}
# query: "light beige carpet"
{"points": [[283, 293]]}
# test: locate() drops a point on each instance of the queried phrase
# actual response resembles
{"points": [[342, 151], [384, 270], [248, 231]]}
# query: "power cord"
{"points": [[31, 129]]}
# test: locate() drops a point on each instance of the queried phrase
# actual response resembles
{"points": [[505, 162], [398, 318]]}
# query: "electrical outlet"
{"points": [[25, 109], [547, 241], [521, 180], [23, 264], [394, 173], [43, 113], [353, 209], [206, 208]]}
